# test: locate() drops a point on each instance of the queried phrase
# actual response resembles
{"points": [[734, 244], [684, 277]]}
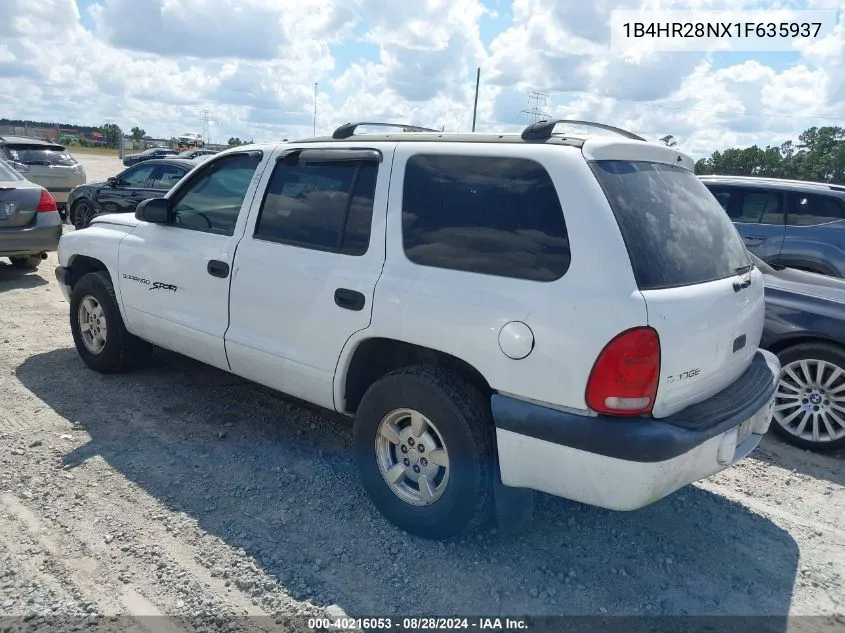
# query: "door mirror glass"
{"points": [[113, 181], [154, 210]]}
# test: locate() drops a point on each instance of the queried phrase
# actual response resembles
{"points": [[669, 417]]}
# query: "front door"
{"points": [[174, 278], [758, 215], [307, 268], [127, 192]]}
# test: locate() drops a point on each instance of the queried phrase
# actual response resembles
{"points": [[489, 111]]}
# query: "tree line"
{"points": [[819, 155]]}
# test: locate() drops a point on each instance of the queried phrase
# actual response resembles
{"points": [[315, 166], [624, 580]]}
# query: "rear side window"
{"points": [[751, 206], [488, 215], [808, 209], [675, 231], [323, 206]]}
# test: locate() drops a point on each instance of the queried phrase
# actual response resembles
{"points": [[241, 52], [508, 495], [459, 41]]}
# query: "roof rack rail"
{"points": [[542, 130], [348, 129]]}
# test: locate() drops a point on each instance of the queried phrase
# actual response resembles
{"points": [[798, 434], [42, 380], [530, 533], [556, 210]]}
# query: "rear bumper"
{"points": [[629, 463], [42, 236]]}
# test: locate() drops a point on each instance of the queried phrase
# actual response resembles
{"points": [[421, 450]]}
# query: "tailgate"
{"points": [[703, 296]]}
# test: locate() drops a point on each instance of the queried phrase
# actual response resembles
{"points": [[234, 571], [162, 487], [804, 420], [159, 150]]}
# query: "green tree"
{"points": [[111, 134], [234, 141], [138, 133]]}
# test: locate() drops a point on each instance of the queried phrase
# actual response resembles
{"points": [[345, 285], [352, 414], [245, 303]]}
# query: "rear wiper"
{"points": [[36, 162]]}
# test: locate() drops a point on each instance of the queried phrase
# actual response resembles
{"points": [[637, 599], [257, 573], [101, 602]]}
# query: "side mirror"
{"points": [[154, 210], [113, 181]]}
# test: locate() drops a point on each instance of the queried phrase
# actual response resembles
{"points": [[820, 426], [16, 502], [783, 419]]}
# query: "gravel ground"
{"points": [[184, 490]]}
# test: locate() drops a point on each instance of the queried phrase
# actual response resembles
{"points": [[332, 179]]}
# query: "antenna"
{"points": [[206, 119], [537, 101]]}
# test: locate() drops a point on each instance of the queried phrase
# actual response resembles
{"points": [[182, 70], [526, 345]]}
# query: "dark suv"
{"points": [[787, 222]]}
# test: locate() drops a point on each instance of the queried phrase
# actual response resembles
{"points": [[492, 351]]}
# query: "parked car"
{"points": [[500, 313], [44, 163], [122, 193], [805, 327], [191, 154], [148, 154], [787, 222], [30, 225]]}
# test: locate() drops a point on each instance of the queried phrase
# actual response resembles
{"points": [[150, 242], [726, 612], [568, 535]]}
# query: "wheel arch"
{"points": [[783, 344], [369, 359]]}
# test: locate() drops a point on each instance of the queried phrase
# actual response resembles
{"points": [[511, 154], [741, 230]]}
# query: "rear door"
{"points": [[704, 298], [164, 178], [758, 215], [306, 270]]}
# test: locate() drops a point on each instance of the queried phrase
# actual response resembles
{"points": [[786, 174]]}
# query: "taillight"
{"points": [[625, 375], [46, 203]]}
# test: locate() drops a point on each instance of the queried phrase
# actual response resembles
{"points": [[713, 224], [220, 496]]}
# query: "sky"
{"points": [[252, 65]]}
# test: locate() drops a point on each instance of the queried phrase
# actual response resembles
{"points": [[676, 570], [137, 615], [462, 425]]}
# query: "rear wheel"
{"points": [[28, 262], [424, 446], [810, 399], [82, 213], [98, 331]]}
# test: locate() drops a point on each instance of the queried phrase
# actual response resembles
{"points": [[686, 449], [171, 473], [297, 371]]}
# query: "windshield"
{"points": [[676, 232], [39, 155]]}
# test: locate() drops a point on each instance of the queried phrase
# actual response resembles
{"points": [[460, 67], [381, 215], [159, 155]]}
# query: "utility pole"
{"points": [[205, 127], [537, 101], [315, 108], [475, 107]]}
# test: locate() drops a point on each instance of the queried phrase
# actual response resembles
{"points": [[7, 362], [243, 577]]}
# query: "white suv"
{"points": [[567, 313]]}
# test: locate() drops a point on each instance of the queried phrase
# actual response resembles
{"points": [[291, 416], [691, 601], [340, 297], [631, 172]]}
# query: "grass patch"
{"points": [[99, 151]]}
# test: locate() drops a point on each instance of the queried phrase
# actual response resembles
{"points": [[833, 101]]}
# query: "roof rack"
{"points": [[348, 129], [542, 130], [787, 181]]}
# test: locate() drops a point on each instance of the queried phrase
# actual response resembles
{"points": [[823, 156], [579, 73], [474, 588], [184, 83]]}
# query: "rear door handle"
{"points": [[216, 268], [349, 299]]}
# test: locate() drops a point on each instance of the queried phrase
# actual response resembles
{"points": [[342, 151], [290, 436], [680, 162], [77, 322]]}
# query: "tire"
{"points": [[121, 350], [26, 263], [823, 401], [81, 214], [462, 421]]}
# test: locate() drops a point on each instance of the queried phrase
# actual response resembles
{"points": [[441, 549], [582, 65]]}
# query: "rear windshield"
{"points": [[39, 155], [676, 233]]}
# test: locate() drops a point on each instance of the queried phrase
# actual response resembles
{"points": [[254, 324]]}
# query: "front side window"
{"points": [[136, 176], [489, 215], [323, 206], [212, 201], [810, 209]]}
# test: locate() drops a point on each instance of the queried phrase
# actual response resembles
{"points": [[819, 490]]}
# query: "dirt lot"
{"points": [[185, 490], [99, 167]]}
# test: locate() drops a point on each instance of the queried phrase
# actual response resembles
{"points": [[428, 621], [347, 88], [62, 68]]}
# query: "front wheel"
{"points": [[82, 213], [424, 446], [810, 399], [98, 331]]}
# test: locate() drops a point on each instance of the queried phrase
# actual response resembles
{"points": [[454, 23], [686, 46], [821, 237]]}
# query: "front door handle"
{"points": [[349, 299], [216, 268]]}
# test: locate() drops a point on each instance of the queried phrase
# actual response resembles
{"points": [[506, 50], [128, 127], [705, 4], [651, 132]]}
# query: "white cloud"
{"points": [[253, 63]]}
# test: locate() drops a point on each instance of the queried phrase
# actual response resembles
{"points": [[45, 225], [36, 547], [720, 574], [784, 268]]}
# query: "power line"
{"points": [[537, 101], [704, 111]]}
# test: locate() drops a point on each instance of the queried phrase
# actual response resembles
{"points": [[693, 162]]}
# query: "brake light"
{"points": [[46, 203], [625, 375]]}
